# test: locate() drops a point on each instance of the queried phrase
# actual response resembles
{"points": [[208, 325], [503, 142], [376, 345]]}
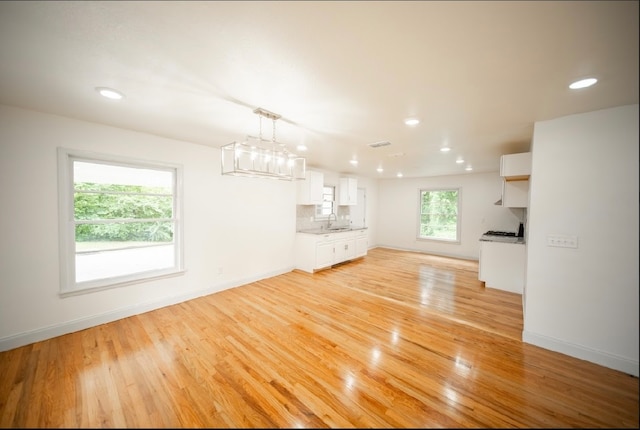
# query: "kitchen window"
{"points": [[328, 201], [439, 215], [119, 220]]}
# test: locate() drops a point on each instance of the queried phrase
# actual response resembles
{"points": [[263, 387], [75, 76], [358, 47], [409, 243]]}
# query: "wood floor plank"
{"points": [[393, 340]]}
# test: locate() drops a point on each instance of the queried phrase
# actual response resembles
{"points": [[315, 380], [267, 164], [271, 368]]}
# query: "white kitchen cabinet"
{"points": [[348, 192], [515, 194], [324, 254], [362, 243], [515, 167], [515, 170], [344, 249], [310, 189], [319, 251], [502, 265]]}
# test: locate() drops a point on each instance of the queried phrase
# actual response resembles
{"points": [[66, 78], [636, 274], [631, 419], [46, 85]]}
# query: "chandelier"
{"points": [[258, 157]]}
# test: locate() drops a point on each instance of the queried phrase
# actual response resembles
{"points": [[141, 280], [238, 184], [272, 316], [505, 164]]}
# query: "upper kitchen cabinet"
{"points": [[515, 170], [310, 189], [515, 167], [515, 194], [348, 192]]}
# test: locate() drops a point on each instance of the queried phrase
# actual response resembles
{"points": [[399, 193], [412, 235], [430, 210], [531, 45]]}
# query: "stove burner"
{"points": [[500, 233]]}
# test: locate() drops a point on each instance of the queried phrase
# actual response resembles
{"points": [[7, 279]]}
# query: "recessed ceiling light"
{"points": [[468, 168], [353, 162], [301, 147], [399, 175], [109, 93], [459, 161], [445, 149], [584, 83], [380, 170], [412, 121]]}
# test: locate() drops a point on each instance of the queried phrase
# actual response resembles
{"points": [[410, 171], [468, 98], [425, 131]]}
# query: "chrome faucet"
{"points": [[329, 219]]}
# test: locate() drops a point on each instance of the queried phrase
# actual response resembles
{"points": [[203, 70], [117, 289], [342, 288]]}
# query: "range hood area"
{"points": [[515, 170]]}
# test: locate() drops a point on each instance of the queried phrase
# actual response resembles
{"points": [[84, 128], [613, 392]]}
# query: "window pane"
{"points": [[439, 214], [326, 208], [123, 234], [99, 173], [108, 264], [93, 206]]}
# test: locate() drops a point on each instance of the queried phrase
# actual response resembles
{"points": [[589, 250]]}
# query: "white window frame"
{"points": [[328, 195], [67, 223], [458, 218]]}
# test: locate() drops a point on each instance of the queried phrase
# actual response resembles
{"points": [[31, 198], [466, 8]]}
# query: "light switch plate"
{"points": [[562, 241]]}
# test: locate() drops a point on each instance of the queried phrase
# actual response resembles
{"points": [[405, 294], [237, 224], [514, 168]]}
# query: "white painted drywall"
{"points": [[398, 212], [584, 182]]}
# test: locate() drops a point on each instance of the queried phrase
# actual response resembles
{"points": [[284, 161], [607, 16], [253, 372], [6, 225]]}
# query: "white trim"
{"points": [[601, 358], [66, 223]]}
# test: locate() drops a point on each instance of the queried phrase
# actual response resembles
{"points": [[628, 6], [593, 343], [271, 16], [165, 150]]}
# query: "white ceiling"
{"points": [[342, 74]]}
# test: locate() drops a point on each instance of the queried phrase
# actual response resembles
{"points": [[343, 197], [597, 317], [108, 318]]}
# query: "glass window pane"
{"points": [[100, 173], [108, 264], [124, 234], [439, 214], [94, 206]]}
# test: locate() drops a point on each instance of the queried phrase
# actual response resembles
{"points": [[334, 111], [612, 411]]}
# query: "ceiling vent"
{"points": [[379, 144]]}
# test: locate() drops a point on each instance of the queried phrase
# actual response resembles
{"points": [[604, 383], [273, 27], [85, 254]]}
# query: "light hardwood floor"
{"points": [[396, 339]]}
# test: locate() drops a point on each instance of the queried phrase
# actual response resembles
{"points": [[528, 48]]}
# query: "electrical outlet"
{"points": [[562, 241]]}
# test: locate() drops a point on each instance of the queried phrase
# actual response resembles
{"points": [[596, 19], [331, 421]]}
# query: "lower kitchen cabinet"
{"points": [[362, 243], [323, 255], [318, 251], [502, 265]]}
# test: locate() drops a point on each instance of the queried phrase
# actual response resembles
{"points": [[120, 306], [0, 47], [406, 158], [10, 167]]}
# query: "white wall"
{"points": [[398, 199], [243, 226], [584, 302]]}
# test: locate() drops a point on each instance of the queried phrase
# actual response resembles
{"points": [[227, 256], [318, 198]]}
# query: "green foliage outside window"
{"points": [[122, 205], [439, 214]]}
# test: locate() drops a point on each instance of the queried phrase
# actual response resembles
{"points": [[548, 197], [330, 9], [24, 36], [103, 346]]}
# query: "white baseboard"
{"points": [[621, 364], [422, 251], [37, 335]]}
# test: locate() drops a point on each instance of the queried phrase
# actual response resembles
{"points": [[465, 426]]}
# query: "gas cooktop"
{"points": [[499, 233]]}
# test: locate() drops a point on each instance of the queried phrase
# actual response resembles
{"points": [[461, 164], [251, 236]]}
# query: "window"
{"points": [[439, 218], [328, 200], [119, 220]]}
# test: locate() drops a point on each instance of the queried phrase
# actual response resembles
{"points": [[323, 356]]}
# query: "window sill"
{"points": [[118, 284]]}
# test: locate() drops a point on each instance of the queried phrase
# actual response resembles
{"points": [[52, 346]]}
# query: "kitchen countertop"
{"points": [[327, 231]]}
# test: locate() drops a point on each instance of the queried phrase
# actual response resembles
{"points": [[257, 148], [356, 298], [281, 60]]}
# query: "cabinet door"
{"points": [[502, 266], [310, 189], [515, 194], [350, 249], [348, 192], [339, 251], [362, 244], [516, 166], [324, 254]]}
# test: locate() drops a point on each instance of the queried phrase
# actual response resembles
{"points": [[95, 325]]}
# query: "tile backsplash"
{"points": [[305, 217]]}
